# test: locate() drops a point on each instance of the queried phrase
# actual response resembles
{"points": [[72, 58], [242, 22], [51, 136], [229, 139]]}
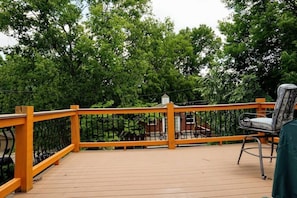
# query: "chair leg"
{"points": [[242, 149], [272, 149], [261, 158]]}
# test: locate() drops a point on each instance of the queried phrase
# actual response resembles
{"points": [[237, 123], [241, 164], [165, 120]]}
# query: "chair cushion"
{"points": [[259, 123]]}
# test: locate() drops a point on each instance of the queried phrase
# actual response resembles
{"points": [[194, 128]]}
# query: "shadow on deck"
{"points": [[200, 171]]}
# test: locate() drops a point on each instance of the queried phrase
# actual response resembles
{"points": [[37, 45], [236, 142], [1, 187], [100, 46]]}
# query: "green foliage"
{"points": [[54, 53], [105, 105], [261, 43], [91, 52]]}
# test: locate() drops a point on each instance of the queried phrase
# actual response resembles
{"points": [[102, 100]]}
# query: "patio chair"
{"points": [[269, 126]]}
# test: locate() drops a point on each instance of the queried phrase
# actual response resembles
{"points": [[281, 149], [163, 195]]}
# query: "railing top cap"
{"points": [[219, 105], [54, 111], [10, 116], [126, 108]]}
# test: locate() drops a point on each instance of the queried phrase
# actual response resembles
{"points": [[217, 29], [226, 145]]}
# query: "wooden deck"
{"points": [[186, 172]]}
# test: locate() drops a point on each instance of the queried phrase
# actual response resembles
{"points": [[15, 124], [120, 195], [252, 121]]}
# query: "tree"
{"points": [[114, 27], [51, 32], [289, 41], [89, 51], [38, 87], [260, 42]]}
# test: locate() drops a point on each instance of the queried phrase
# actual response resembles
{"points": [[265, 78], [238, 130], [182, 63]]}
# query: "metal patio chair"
{"points": [[269, 124]]}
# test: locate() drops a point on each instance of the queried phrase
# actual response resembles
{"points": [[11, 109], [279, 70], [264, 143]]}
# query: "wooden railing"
{"points": [[24, 171], [25, 117]]}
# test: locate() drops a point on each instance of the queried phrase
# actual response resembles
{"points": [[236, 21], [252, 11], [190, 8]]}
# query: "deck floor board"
{"points": [[190, 172]]}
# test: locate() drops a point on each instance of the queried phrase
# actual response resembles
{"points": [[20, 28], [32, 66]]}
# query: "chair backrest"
{"points": [[284, 106]]}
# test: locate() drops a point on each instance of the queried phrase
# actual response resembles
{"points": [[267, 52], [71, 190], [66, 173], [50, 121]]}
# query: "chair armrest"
{"points": [[255, 115], [245, 116]]}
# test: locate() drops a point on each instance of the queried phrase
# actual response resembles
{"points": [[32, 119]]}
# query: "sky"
{"points": [[5, 40], [184, 13], [191, 13]]}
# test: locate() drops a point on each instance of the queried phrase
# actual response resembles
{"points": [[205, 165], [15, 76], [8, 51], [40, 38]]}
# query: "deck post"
{"points": [[24, 148], [170, 124], [75, 135], [260, 112]]}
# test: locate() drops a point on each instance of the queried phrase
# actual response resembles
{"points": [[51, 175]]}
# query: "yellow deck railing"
{"points": [[24, 118]]}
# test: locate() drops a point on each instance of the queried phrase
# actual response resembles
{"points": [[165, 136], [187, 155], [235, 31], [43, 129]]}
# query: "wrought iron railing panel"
{"points": [[153, 126], [7, 143], [201, 124], [122, 127], [50, 136]]}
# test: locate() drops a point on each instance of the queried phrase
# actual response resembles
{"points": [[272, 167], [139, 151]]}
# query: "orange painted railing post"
{"points": [[260, 112], [24, 148], [75, 135], [170, 124]]}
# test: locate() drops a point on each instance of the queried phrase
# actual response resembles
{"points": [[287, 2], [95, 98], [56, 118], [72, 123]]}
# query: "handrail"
{"points": [[218, 107], [270, 105], [12, 120], [11, 116], [48, 115], [92, 111]]}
